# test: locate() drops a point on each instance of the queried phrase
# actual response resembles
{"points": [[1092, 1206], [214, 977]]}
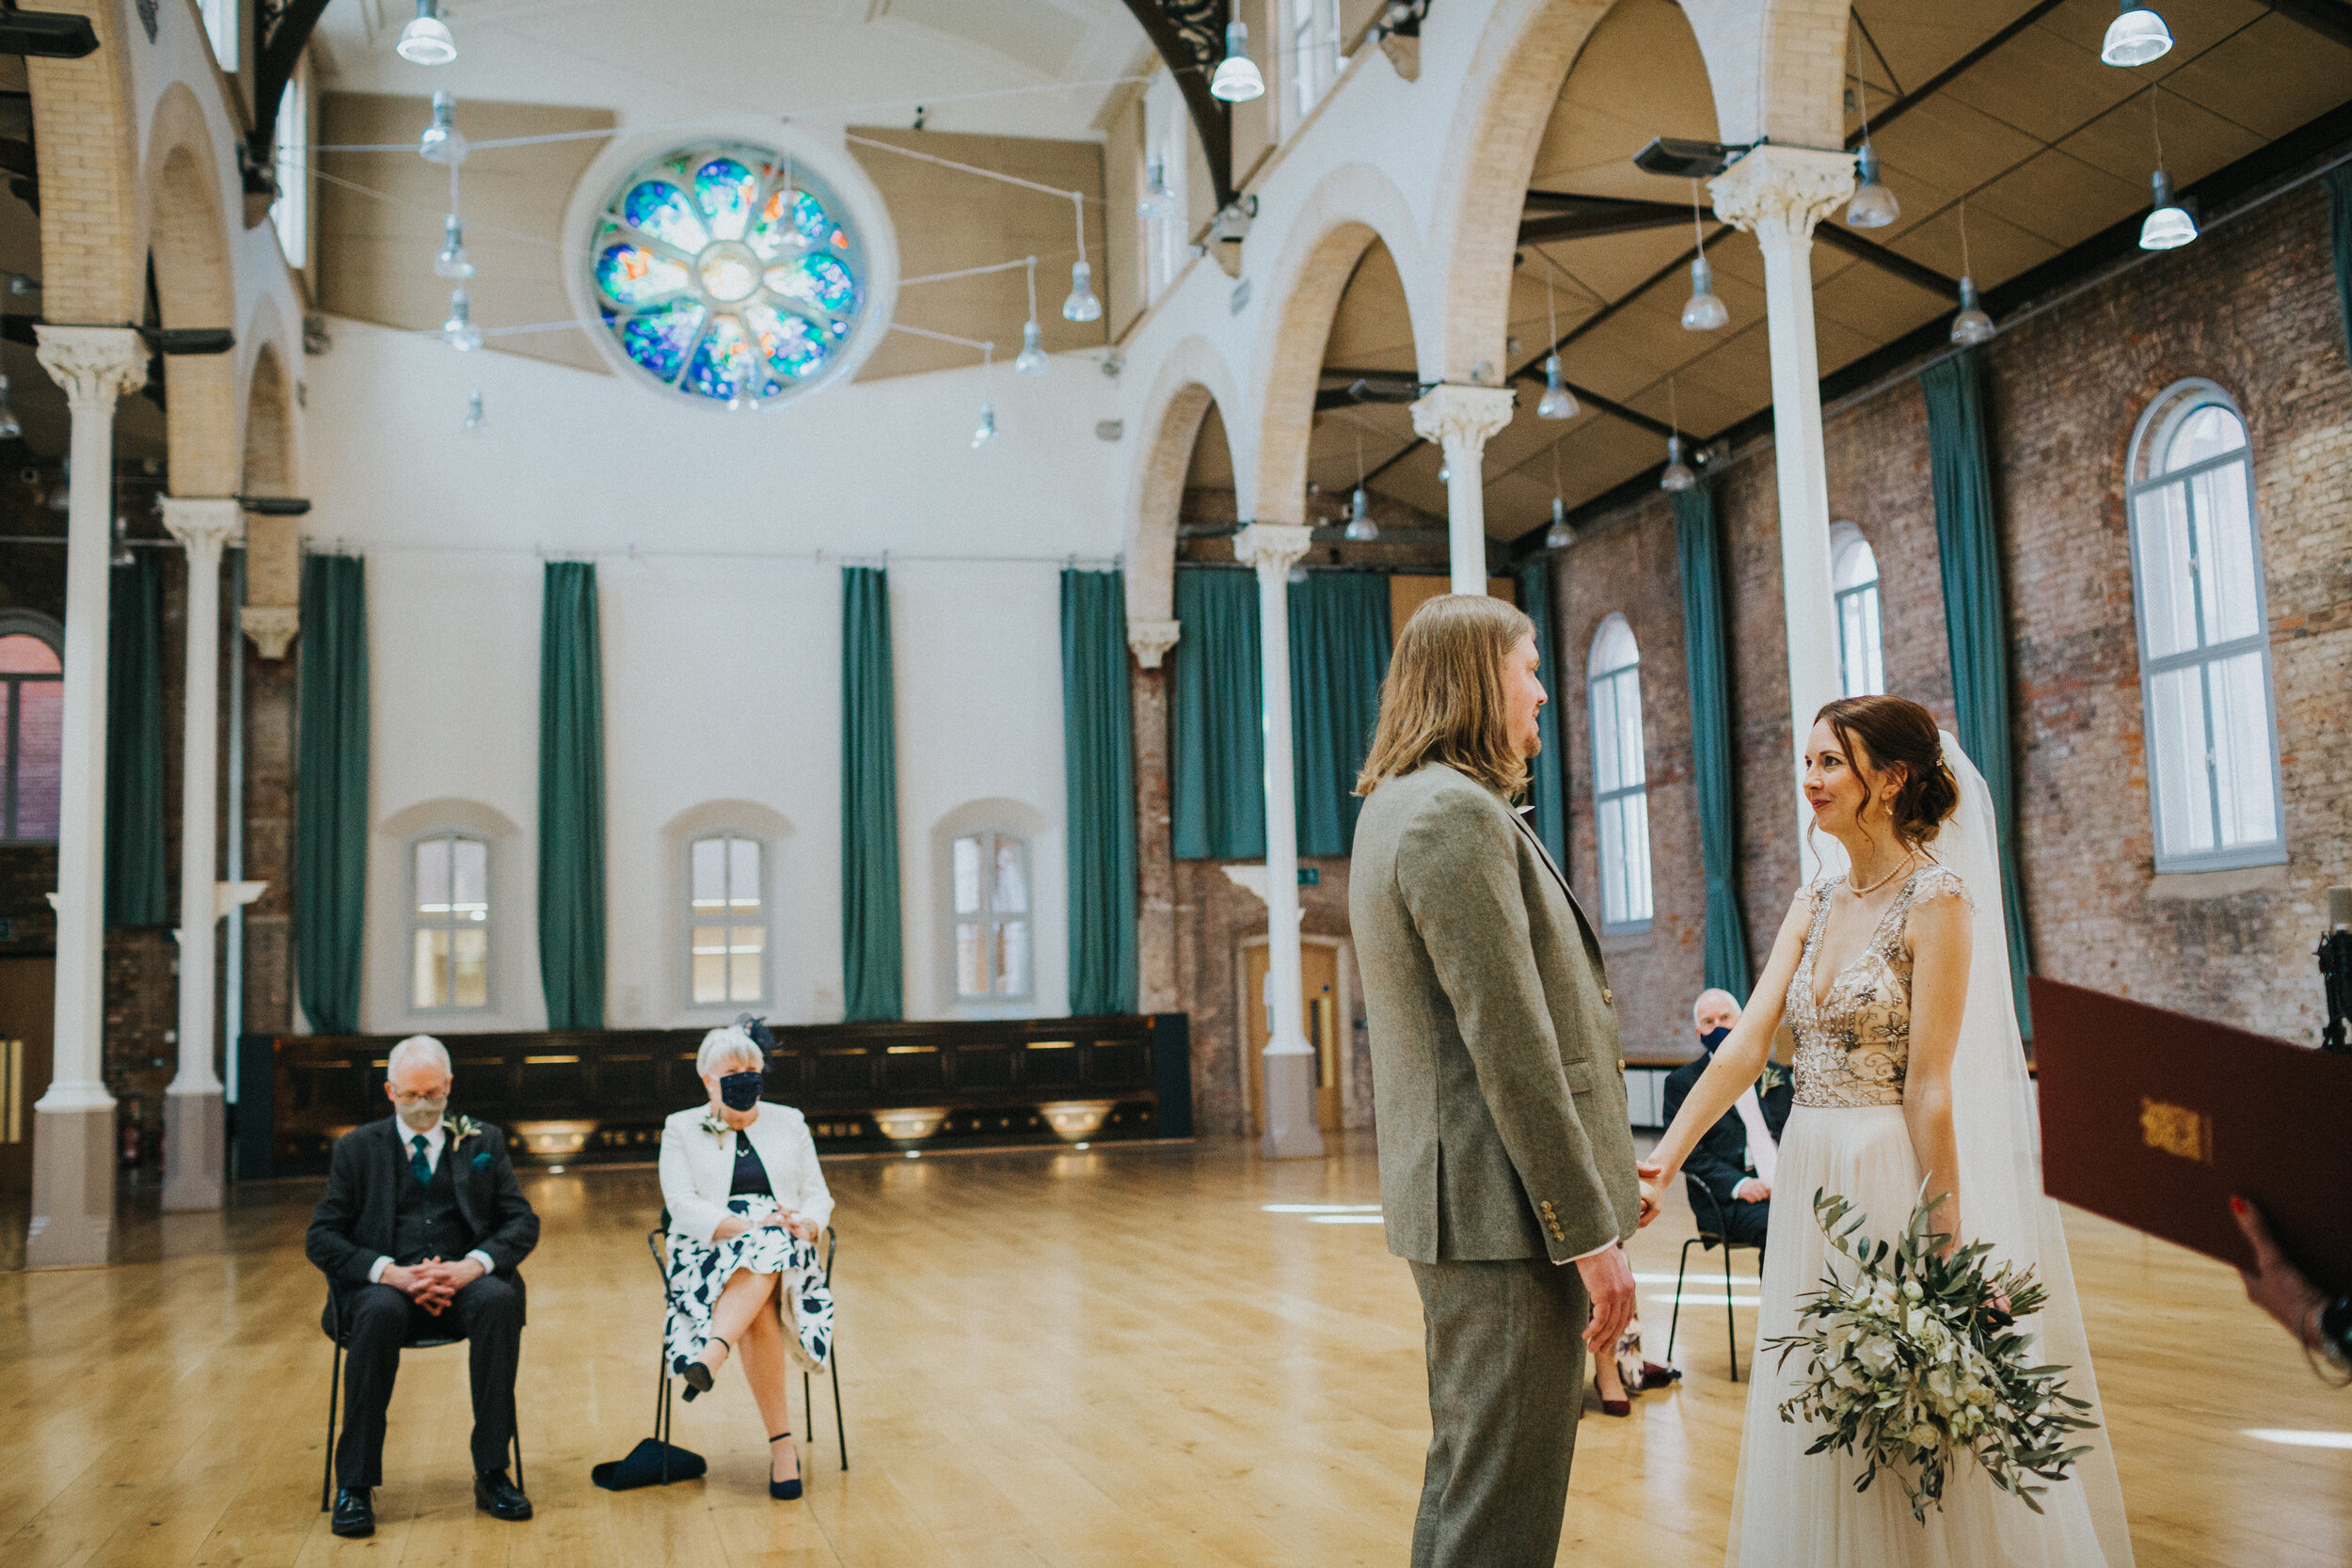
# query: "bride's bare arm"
{"points": [[1939, 934], [1737, 1062]]}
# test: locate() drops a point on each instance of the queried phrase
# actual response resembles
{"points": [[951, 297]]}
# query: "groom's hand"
{"points": [[1609, 1281]]}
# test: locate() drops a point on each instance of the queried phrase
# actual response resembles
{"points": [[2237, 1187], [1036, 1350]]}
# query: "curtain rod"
{"points": [[327, 546]]}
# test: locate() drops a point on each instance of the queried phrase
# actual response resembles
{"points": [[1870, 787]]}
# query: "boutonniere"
{"points": [[1773, 1077], [462, 1128], [712, 1125]]}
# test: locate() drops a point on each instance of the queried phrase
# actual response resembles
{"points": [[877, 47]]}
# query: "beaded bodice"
{"points": [[1854, 1046]]}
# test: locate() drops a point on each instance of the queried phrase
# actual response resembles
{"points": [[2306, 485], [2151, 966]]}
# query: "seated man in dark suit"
{"points": [[422, 1220], [1734, 1159]]}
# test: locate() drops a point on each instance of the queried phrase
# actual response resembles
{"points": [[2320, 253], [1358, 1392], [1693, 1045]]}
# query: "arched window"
{"points": [[448, 922], [1314, 51], [2205, 646], [34, 716], [991, 892], [726, 920], [1613, 678], [1853, 575]]}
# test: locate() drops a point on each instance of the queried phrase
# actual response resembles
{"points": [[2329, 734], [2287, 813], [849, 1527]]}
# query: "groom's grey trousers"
{"points": [[1506, 1380]]}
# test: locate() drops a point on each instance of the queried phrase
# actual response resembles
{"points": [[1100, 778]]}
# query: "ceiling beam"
{"points": [[1936, 83], [1189, 36], [2330, 19], [1839, 237], [1583, 217], [281, 31]]}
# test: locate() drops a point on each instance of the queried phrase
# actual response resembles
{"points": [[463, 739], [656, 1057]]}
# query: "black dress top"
{"points": [[751, 1177]]}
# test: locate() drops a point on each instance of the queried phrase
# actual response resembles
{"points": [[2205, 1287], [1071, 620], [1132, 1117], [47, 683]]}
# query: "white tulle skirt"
{"points": [[1794, 1510]]}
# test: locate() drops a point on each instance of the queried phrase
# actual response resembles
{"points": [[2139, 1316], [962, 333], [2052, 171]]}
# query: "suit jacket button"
{"points": [[1608, 998]]}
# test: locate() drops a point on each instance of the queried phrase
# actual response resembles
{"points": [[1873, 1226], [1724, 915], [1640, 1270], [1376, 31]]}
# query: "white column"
{"points": [[1778, 194], [1459, 420], [1274, 548], [193, 1157], [74, 1125]]}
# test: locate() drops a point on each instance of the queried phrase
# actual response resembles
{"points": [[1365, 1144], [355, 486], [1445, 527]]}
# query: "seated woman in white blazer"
{"points": [[746, 1202]]}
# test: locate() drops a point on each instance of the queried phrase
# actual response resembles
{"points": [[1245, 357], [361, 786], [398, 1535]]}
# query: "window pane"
{"points": [[1612, 862], [39, 739], [1011, 894], [433, 876], [2176, 713], [2225, 553], [1856, 563], [2167, 608], [1637, 898], [1852, 674], [710, 964], [971, 961], [1607, 774], [469, 968], [709, 873], [473, 865], [1012, 957], [1629, 760], [967, 875], [2208, 432], [2242, 777], [429, 981], [743, 873], [22, 654], [744, 944]]}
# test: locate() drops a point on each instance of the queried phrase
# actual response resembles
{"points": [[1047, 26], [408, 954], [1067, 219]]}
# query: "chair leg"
{"points": [[1731, 1331], [334, 1393], [1676, 1321], [841, 1428], [662, 1414]]}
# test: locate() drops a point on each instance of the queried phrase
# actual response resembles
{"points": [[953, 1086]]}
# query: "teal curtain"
{"points": [[1976, 617], [1099, 780], [135, 744], [1548, 775], [872, 961], [2339, 183], [330, 869], [1707, 658], [1339, 657], [1217, 773], [571, 798]]}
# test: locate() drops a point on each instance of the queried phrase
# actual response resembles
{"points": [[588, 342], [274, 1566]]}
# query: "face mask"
{"points": [[1714, 1037], [740, 1091], [418, 1114]]}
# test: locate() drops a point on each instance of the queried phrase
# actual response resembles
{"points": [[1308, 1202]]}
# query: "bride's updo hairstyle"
{"points": [[1878, 734]]}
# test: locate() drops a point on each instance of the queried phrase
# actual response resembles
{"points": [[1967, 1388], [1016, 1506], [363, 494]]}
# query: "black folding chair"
{"points": [[1711, 1235], [657, 1241], [447, 1330]]}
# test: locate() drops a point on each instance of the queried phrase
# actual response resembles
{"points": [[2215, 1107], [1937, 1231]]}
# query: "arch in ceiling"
{"points": [[272, 461], [83, 130], [195, 288], [1349, 208], [1191, 381]]}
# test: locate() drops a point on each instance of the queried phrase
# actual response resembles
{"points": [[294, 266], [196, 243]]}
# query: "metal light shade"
{"points": [[1081, 306], [1678, 475], [442, 143], [1873, 205], [476, 418], [986, 429], [122, 556], [2169, 225], [1237, 80], [1559, 536], [1361, 528], [10, 427], [1557, 402], [2136, 35], [459, 331], [1445, 471], [426, 40], [1031, 359], [453, 261], [1157, 201], [1972, 326], [1704, 312]]}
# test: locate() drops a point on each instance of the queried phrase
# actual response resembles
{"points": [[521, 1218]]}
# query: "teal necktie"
{"points": [[417, 1163]]}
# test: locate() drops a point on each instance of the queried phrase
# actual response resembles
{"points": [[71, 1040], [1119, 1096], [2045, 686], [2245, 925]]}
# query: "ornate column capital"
{"points": [[1151, 641], [1273, 547], [1782, 192], [203, 525], [94, 364], [271, 626], [1461, 418]]}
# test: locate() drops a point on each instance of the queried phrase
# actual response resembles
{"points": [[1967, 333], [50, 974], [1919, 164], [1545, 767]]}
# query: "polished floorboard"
{"points": [[1114, 1357]]}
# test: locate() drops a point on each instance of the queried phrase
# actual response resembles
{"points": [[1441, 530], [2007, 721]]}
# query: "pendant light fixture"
{"points": [[1557, 402], [459, 331], [426, 40], [122, 556], [1157, 200], [1361, 529], [1031, 359], [10, 429], [2170, 224], [985, 431], [2136, 35], [1678, 474], [1559, 536], [1972, 326], [453, 261], [442, 142], [1704, 312], [1081, 306], [1237, 80], [476, 418], [1445, 471], [1873, 205]]}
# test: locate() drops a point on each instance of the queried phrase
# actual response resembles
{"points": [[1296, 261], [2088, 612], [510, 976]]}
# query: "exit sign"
{"points": [[1311, 875]]}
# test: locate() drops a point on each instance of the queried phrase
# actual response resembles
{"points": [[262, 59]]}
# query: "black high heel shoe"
{"points": [[697, 1373], [783, 1491]]}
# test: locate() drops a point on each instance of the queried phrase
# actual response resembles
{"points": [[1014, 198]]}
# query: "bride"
{"points": [[1895, 979]]}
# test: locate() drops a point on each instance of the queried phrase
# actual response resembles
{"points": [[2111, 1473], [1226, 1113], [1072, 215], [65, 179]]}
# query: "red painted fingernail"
{"points": [[2237, 1204]]}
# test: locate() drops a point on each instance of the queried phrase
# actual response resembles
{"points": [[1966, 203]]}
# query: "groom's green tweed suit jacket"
{"points": [[1498, 1080]]}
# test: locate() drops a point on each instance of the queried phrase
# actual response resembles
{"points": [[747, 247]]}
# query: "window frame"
{"points": [[2151, 438], [1844, 539], [991, 835], [23, 622], [766, 922], [1310, 69], [290, 213], [1624, 676], [414, 921]]}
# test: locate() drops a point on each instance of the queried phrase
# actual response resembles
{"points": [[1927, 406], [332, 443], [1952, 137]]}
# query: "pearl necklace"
{"points": [[1865, 892]]}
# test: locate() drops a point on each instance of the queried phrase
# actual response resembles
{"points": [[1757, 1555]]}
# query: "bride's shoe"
{"points": [[783, 1491], [698, 1374]]}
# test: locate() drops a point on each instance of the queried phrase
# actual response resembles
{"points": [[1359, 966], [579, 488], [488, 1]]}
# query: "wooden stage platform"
{"points": [[1116, 1359]]}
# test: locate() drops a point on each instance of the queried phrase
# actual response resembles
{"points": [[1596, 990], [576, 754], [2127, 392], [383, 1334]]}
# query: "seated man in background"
{"points": [[1734, 1159], [422, 1220]]}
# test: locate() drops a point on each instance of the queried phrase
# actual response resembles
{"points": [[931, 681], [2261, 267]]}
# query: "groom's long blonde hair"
{"points": [[1443, 700]]}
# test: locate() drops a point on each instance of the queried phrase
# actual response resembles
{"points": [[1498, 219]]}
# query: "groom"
{"points": [[1506, 1157]]}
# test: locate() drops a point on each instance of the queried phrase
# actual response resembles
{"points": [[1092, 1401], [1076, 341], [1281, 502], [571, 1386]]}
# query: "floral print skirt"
{"points": [[803, 1300]]}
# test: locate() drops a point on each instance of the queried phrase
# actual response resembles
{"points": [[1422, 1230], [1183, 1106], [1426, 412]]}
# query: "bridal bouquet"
{"points": [[1916, 1361]]}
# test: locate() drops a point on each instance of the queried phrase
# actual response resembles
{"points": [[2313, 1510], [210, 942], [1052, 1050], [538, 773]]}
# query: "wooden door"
{"points": [[27, 1013], [1319, 969]]}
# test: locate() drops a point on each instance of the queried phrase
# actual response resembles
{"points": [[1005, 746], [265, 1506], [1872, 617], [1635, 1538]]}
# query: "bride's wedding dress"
{"points": [[1847, 1134]]}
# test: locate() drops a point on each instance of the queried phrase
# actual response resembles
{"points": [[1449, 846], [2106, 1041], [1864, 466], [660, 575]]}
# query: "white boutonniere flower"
{"points": [[712, 1125], [462, 1128]]}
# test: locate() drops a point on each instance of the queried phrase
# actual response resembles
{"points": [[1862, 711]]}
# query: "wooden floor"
{"points": [[1110, 1358]]}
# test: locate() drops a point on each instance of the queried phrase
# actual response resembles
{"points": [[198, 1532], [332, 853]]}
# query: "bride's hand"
{"points": [[1654, 1181]]}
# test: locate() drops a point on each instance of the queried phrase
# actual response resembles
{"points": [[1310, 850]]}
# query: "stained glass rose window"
{"points": [[727, 272]]}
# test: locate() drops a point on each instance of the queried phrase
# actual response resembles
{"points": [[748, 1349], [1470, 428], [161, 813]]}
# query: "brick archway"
{"points": [[195, 287], [87, 159], [1192, 380]]}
